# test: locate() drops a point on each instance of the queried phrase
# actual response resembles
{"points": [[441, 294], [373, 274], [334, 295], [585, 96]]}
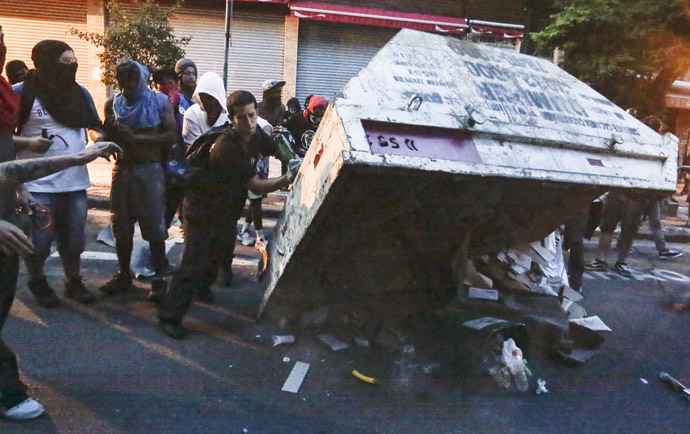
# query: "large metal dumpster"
{"points": [[440, 142]]}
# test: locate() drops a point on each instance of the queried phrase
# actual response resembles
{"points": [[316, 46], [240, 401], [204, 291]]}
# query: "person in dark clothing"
{"points": [[214, 199], [292, 108], [303, 126], [167, 82], [15, 403], [16, 70]]}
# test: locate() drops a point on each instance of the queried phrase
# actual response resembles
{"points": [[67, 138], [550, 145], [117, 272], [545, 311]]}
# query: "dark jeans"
{"points": [[12, 390], [208, 245], [574, 231], [174, 194]]}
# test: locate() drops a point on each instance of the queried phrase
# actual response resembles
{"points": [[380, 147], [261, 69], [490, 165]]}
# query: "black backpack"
{"points": [[197, 154]]}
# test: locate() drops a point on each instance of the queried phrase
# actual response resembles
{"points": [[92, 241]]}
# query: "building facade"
{"points": [[316, 47]]}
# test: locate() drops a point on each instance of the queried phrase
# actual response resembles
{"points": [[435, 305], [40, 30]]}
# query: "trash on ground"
{"points": [[283, 339], [571, 294], [332, 341], [366, 379], [430, 368], [406, 367], [675, 385], [577, 356], [575, 311], [644, 381], [315, 317], [361, 341], [296, 377], [512, 358], [483, 294], [592, 323], [541, 386], [286, 360]]}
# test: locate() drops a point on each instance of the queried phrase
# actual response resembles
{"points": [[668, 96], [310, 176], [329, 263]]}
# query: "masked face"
{"points": [[316, 116], [65, 71]]}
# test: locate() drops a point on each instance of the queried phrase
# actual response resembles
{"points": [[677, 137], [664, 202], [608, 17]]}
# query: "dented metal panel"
{"points": [[504, 147]]}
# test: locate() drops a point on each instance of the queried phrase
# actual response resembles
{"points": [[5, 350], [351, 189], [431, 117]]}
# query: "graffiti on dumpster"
{"points": [[416, 141], [659, 275]]}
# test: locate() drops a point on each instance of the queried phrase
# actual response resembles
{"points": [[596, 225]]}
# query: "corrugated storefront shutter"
{"points": [[27, 22], [257, 47], [330, 54]]}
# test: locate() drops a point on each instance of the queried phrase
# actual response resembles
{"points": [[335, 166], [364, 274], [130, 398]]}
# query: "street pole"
{"points": [[229, 6]]}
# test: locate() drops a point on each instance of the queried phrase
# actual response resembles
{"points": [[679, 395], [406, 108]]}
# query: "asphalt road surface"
{"points": [[106, 368]]}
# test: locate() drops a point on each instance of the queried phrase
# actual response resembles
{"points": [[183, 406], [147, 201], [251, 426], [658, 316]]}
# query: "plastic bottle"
{"points": [[512, 357], [406, 366]]}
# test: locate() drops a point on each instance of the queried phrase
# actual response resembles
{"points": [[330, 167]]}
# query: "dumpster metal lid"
{"points": [[500, 96]]}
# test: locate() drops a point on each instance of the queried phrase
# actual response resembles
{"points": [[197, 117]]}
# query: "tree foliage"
{"points": [[631, 51], [142, 33]]}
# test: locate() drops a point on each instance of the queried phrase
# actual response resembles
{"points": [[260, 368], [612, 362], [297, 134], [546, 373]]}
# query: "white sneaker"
{"points": [[29, 409], [245, 238]]}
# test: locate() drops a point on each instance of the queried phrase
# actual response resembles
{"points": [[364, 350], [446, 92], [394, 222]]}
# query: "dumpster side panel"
{"points": [[319, 171]]}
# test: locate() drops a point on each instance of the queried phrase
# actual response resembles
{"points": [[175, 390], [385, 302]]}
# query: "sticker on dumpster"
{"points": [[480, 323], [419, 141]]}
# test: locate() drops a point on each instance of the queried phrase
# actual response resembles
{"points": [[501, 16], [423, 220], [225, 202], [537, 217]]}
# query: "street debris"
{"points": [[296, 377], [286, 360], [366, 379], [283, 339], [644, 381], [361, 341], [512, 358], [593, 323], [315, 317], [483, 294], [675, 385], [541, 386], [333, 342]]}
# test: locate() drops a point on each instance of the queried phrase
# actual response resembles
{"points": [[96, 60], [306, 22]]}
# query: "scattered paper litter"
{"points": [[483, 294], [332, 341], [593, 323], [294, 380], [644, 381]]}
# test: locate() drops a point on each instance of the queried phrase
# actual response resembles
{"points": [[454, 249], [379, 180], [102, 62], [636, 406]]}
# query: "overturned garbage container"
{"points": [[441, 144]]}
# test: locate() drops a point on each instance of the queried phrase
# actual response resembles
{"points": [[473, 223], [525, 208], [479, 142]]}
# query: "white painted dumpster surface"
{"points": [[504, 147]]}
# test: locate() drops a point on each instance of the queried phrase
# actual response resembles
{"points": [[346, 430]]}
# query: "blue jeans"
{"points": [[68, 220]]}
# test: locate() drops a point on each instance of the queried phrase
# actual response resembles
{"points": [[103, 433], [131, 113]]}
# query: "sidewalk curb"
{"points": [[272, 206]]}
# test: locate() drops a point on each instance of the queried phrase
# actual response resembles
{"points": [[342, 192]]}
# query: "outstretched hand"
{"points": [[293, 168], [102, 149], [13, 240]]}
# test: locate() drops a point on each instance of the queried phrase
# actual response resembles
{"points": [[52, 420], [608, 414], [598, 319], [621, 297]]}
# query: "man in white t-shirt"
{"points": [[54, 106]]}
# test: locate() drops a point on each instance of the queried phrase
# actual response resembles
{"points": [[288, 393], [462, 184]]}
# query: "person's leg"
{"points": [[574, 231], [42, 238], [12, 390], [70, 227], [178, 297], [611, 214], [257, 218], [123, 229], [653, 211]]}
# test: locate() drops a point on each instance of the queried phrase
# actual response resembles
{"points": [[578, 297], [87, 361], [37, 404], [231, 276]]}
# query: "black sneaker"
{"points": [[121, 282], [597, 264], [670, 253], [44, 294], [76, 290], [623, 269], [175, 331], [158, 288]]}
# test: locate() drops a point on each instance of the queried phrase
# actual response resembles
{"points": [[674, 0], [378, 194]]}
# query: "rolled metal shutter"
{"points": [[28, 22], [257, 47], [330, 54]]}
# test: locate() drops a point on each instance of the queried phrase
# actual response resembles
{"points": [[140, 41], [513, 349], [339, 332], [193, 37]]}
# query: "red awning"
{"points": [[378, 17]]}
